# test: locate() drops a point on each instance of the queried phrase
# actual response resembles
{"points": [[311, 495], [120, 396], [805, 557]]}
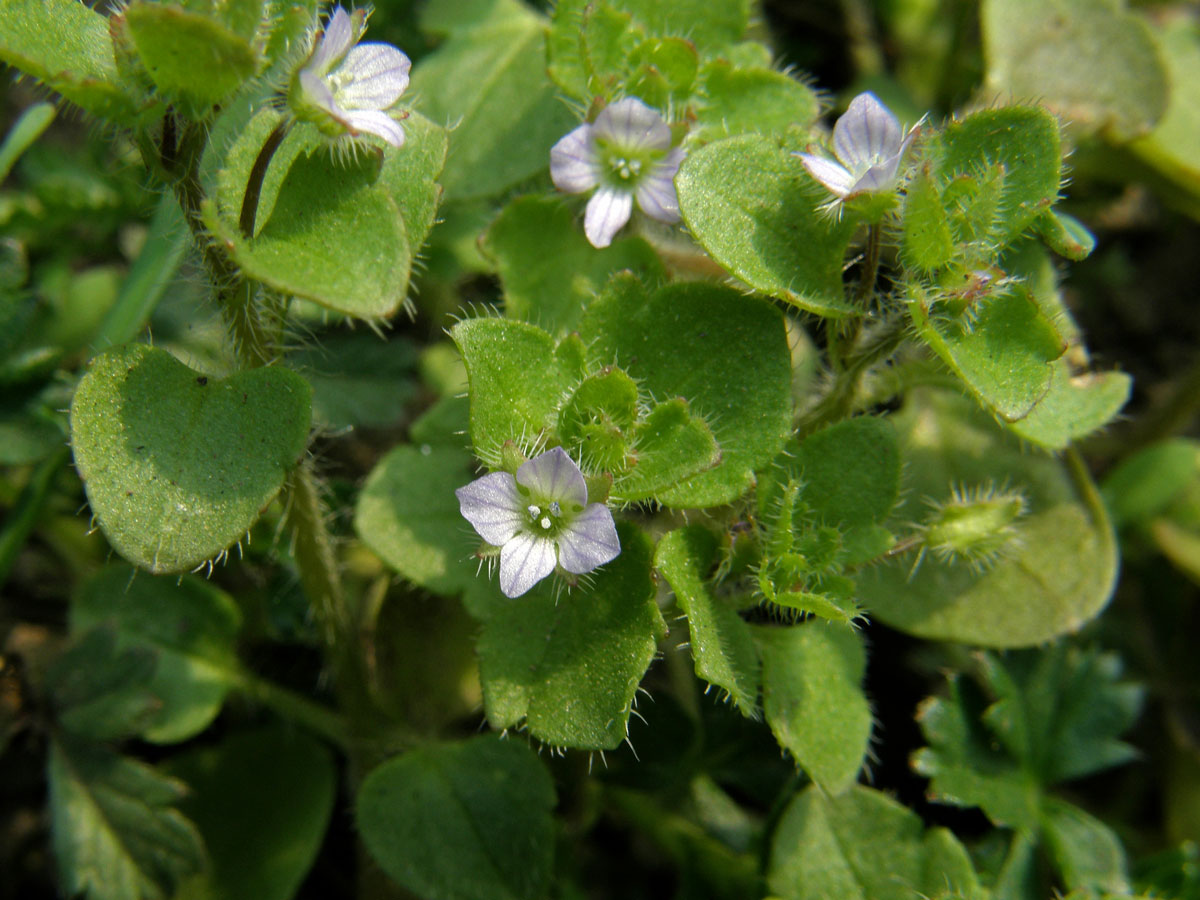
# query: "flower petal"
{"points": [[866, 134], [553, 475], [656, 194], [493, 506], [376, 122], [524, 561], [573, 164], [373, 76], [589, 541], [879, 177], [630, 124], [317, 92], [607, 213], [335, 41], [829, 173]]}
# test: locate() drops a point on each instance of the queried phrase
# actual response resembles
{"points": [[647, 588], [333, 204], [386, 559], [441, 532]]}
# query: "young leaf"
{"points": [[462, 821], [767, 231], [1074, 406], [567, 668], [863, 845], [1002, 353], [27, 129], [722, 645], [724, 353], [177, 466], [813, 699], [517, 379], [188, 625], [1020, 146], [114, 830], [670, 446], [1057, 574], [548, 268], [262, 801]]}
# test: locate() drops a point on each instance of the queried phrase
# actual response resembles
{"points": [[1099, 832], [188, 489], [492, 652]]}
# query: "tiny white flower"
{"points": [[868, 143], [626, 155], [345, 87], [540, 519]]}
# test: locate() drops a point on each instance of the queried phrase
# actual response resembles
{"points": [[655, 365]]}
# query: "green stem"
{"points": [[29, 505], [860, 28], [870, 273], [841, 399], [296, 708], [315, 559]]}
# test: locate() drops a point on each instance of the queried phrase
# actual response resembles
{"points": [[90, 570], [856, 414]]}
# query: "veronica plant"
{"points": [[770, 451]]}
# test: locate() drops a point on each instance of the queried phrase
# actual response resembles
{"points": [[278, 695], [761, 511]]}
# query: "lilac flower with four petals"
{"points": [[345, 87], [869, 145], [626, 155], [540, 519]]}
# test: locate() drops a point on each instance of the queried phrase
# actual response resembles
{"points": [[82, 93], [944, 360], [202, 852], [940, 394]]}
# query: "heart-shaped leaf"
{"points": [[178, 465]]}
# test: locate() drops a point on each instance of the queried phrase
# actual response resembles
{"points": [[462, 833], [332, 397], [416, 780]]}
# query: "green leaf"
{"points": [[768, 231], [927, 242], [813, 698], [66, 45], [193, 60], [1059, 573], [1118, 86], [190, 628], [262, 801], [357, 379], [21, 136], [342, 233], [490, 83], [177, 466], [567, 668], [1147, 482], [408, 514], [114, 830], [101, 691], [726, 354], [1002, 351], [462, 821], [744, 100], [1023, 142], [549, 270], [517, 380], [863, 845], [1074, 407], [721, 643]]}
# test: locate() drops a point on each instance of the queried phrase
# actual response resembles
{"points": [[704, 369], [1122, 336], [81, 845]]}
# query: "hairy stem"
{"points": [[315, 560]]}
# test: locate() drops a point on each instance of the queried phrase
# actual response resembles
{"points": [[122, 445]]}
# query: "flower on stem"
{"points": [[345, 87], [540, 519], [868, 143], [626, 155]]}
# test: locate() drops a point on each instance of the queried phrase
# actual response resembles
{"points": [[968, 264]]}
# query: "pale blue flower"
{"points": [[625, 155], [346, 87], [868, 143], [540, 519]]}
